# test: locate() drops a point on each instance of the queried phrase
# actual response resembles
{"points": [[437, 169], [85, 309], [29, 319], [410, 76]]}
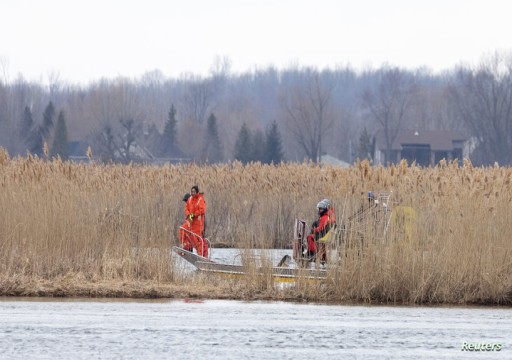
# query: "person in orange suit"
{"points": [[195, 210]]}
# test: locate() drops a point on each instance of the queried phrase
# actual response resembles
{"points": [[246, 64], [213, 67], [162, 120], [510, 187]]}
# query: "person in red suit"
{"points": [[326, 221]]}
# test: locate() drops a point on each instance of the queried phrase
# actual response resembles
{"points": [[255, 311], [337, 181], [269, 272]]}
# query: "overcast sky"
{"points": [[85, 40]]}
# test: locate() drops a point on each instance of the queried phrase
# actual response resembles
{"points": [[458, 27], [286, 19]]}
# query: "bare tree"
{"points": [[389, 102], [434, 109], [198, 100], [127, 140], [104, 140], [54, 85], [308, 116], [120, 149], [221, 66], [114, 114], [4, 68], [4, 116], [484, 101]]}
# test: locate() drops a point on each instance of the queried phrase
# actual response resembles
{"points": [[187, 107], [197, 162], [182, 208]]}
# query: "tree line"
{"points": [[265, 115]]}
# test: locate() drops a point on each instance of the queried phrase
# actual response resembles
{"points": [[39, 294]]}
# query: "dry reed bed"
{"points": [[93, 230]]}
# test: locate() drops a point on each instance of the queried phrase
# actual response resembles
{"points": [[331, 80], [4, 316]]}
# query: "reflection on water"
{"points": [[185, 329]]}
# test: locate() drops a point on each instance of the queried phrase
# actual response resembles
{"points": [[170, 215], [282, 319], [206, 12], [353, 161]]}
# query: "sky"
{"points": [[82, 41]]}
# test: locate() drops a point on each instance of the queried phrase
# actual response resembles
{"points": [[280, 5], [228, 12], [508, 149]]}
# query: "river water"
{"points": [[215, 329]]}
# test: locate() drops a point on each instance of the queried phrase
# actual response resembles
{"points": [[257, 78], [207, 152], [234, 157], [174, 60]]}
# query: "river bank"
{"points": [[200, 288]]}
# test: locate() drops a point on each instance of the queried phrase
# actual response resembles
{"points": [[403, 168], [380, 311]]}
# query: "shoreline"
{"points": [[151, 290]]}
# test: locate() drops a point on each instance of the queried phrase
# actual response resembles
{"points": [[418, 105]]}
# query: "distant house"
{"points": [[78, 151], [327, 159], [135, 153], [426, 148], [138, 153]]}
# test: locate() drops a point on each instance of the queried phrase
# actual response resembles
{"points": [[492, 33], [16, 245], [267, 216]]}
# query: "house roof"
{"points": [[438, 140], [327, 159]]}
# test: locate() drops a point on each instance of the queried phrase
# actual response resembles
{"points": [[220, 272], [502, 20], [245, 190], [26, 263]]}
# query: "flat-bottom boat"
{"points": [[280, 273]]}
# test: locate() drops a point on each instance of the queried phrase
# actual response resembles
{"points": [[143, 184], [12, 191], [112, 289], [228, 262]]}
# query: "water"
{"points": [[214, 329]]}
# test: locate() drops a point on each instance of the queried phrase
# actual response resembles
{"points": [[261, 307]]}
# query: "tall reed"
{"points": [[97, 223]]}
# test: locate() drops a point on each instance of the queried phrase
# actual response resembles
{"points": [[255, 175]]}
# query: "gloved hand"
{"points": [[191, 217]]}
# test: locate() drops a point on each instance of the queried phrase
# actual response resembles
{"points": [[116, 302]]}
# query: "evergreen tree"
{"points": [[60, 139], [36, 141], [39, 135], [48, 120], [25, 130], [170, 133], [273, 145], [243, 145], [258, 146], [212, 149], [364, 150]]}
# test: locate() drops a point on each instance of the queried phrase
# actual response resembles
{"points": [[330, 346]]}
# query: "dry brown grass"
{"points": [[86, 229]]}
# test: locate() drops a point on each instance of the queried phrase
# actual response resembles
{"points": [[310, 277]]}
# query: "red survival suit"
{"points": [[326, 221], [195, 209]]}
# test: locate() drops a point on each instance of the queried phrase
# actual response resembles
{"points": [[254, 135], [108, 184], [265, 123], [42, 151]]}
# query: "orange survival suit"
{"points": [[195, 209], [185, 239]]}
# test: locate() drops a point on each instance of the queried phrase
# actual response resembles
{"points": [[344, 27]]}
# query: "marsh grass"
{"points": [[71, 229]]}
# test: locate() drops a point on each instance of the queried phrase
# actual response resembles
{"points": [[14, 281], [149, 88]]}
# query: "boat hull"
{"points": [[280, 274]]}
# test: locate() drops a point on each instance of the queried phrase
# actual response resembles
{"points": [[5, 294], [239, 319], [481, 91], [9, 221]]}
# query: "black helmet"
{"points": [[186, 196]]}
